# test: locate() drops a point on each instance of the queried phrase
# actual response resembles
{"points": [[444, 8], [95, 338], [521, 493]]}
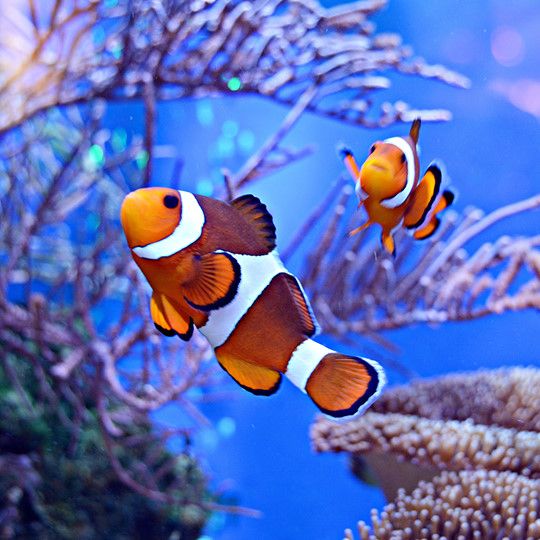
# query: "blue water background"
{"points": [[260, 448]]}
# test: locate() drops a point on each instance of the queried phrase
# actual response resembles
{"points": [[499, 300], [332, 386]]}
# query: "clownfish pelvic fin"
{"points": [[168, 318], [360, 229], [388, 243], [258, 380]]}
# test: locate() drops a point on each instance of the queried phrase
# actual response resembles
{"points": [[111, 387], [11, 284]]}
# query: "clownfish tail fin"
{"points": [[341, 386], [449, 196]]}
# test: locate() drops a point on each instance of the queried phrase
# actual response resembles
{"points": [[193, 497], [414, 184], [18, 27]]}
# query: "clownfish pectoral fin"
{"points": [[258, 216], [344, 386], [168, 319], [388, 243], [360, 229], [414, 133], [216, 283], [350, 163], [258, 380]]}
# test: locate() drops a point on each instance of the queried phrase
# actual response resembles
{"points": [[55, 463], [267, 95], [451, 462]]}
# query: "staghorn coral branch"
{"points": [[261, 163], [47, 184], [474, 230], [168, 50], [356, 288]]}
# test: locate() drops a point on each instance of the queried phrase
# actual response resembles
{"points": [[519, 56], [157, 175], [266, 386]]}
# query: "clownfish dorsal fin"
{"points": [[310, 326], [168, 319], [257, 215], [414, 133], [256, 379], [216, 281]]}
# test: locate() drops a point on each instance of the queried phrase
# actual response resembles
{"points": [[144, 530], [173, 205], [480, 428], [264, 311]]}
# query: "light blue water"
{"points": [[491, 152]]}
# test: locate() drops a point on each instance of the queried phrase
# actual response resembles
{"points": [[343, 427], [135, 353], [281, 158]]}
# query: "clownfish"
{"points": [[387, 187], [214, 266]]}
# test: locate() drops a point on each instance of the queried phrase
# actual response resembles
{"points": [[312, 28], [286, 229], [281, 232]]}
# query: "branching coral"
{"points": [[482, 504], [433, 282], [68, 51], [55, 478], [71, 297]]}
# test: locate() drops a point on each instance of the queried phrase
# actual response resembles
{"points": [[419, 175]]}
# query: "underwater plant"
{"points": [[68, 290], [56, 481]]}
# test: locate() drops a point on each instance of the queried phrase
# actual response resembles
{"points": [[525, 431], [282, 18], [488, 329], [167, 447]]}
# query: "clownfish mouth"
{"points": [[375, 177]]}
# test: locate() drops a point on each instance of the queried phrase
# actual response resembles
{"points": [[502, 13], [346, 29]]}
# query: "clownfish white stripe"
{"points": [[187, 232], [401, 197], [256, 273], [304, 360]]}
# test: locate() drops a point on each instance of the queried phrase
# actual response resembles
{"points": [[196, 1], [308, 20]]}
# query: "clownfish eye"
{"points": [[170, 201], [403, 158], [372, 149]]}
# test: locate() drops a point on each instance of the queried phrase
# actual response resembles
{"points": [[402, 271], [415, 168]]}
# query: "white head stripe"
{"points": [[256, 273], [400, 198], [188, 231], [304, 360]]}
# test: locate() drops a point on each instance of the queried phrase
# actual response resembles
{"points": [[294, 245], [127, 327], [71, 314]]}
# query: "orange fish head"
{"points": [[149, 215], [384, 172]]}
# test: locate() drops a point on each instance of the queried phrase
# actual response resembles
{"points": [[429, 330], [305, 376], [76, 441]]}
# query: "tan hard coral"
{"points": [[441, 444], [481, 505], [507, 397], [483, 420]]}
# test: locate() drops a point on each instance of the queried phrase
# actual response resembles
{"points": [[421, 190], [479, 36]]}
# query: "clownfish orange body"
{"points": [[215, 266], [388, 187]]}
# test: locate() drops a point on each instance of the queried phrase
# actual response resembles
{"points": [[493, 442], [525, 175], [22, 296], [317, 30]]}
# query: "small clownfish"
{"points": [[215, 266], [387, 186]]}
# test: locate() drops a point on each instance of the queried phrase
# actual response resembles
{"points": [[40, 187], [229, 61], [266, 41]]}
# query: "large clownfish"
{"points": [[215, 266], [387, 186]]}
